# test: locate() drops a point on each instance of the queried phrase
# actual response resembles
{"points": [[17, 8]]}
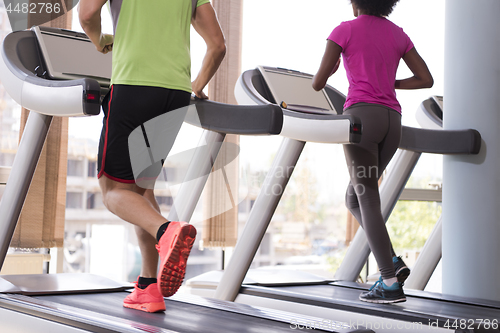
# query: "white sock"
{"points": [[390, 282]]}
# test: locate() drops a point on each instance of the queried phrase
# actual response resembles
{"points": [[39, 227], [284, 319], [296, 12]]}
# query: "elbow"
{"points": [[217, 51], [427, 81], [317, 86], [419, 83], [218, 48], [430, 82], [222, 49], [89, 15], [85, 19]]}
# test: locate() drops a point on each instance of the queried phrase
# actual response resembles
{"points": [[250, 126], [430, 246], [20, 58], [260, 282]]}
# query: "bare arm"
{"points": [[329, 65], [89, 14], [205, 22], [421, 78]]}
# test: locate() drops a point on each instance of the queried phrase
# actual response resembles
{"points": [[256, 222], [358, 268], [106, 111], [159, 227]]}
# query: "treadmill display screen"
{"points": [[72, 57], [294, 87]]}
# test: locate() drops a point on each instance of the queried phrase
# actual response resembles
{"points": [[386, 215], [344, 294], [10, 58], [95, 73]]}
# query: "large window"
{"points": [[75, 168], [74, 200], [6, 159], [94, 200], [92, 169], [165, 201]]}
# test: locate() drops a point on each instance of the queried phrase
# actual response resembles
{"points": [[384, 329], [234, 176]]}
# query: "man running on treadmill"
{"points": [[151, 75]]}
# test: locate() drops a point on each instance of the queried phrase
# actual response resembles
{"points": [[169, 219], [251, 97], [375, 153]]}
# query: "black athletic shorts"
{"points": [[127, 107]]}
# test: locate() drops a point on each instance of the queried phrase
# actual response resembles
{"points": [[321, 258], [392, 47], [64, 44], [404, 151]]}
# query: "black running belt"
{"points": [[178, 316], [420, 306]]}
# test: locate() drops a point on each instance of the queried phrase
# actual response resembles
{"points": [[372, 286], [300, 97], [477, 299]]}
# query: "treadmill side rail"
{"points": [[446, 142], [231, 119]]}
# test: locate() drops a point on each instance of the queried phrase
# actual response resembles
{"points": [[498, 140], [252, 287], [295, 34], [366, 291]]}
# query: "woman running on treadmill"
{"points": [[372, 47]]}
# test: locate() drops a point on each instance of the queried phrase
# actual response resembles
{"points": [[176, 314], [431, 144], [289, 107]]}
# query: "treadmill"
{"points": [[89, 303], [338, 298]]}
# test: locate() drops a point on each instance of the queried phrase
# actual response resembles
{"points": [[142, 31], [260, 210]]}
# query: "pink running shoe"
{"points": [[174, 248], [147, 300]]}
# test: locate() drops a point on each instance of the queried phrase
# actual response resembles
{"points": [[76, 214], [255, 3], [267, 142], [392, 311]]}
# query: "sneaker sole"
{"points": [[403, 274], [174, 264], [149, 307], [383, 301]]}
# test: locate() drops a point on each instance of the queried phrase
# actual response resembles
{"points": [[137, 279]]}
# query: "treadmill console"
{"points": [[430, 113], [293, 90], [70, 55]]}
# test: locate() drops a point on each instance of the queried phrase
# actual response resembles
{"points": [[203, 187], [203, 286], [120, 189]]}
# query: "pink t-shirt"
{"points": [[371, 49]]}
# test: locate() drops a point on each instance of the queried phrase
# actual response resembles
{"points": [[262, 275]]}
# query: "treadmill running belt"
{"points": [[419, 307], [178, 316]]}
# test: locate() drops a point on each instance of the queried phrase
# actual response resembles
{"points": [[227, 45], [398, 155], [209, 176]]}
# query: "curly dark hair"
{"points": [[376, 7]]}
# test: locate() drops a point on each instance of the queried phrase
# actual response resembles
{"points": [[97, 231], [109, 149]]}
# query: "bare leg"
{"points": [[139, 207], [147, 244], [127, 201]]}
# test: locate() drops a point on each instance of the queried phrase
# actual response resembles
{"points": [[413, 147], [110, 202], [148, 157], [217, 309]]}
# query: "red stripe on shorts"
{"points": [[106, 136]]}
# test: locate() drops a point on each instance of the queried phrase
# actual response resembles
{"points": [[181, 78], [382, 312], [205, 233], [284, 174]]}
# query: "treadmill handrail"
{"points": [[233, 119], [422, 140]]}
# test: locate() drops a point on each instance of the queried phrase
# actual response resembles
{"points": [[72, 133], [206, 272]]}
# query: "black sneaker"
{"points": [[402, 271], [381, 293]]}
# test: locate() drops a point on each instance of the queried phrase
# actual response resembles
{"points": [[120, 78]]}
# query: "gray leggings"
{"points": [[366, 161]]}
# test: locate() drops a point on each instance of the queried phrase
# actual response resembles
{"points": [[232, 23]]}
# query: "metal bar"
{"points": [[196, 177], [427, 260], [259, 219], [390, 189], [418, 194], [23, 169]]}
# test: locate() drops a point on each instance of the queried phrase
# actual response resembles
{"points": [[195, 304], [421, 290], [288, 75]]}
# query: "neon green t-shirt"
{"points": [[152, 44]]}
